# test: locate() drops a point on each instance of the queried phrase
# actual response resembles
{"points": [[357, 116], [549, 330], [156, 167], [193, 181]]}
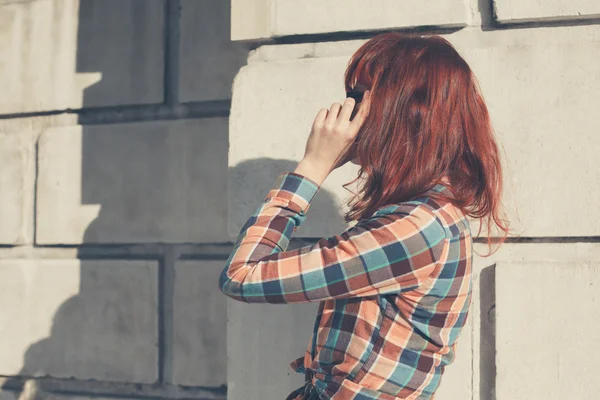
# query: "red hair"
{"points": [[427, 119]]}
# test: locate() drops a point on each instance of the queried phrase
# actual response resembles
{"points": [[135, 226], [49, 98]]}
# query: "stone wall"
{"points": [[123, 131], [113, 180]]}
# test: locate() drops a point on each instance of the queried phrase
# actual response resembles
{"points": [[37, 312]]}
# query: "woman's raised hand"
{"points": [[331, 134]]}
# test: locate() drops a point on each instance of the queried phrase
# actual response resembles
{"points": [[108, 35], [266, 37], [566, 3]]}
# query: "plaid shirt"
{"points": [[394, 290]]}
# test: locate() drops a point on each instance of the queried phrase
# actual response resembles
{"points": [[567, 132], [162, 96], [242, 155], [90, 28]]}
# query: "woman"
{"points": [[395, 288]]}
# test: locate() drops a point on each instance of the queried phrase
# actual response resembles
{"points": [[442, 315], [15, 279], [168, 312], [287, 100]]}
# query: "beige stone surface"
{"points": [[262, 340], [540, 86], [319, 16], [250, 19], [66, 54], [208, 58], [37, 123], [529, 10], [272, 18], [128, 183], [487, 298], [16, 187], [200, 325], [546, 332], [85, 319]]}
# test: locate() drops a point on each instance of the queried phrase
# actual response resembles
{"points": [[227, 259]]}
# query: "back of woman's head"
{"points": [[427, 119]]}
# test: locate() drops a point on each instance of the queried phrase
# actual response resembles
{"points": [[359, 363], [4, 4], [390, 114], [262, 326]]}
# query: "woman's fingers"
{"points": [[361, 115], [347, 109], [320, 118], [332, 116]]}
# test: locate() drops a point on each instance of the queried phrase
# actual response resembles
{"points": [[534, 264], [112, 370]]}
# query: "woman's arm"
{"points": [[387, 253]]}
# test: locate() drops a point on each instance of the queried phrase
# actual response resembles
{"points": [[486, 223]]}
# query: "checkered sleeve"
{"points": [[387, 253]]}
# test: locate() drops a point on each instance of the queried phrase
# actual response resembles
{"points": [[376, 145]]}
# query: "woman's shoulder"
{"points": [[430, 208]]}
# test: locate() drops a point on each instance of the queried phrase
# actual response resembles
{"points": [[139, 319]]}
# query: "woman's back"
{"points": [[396, 344]]}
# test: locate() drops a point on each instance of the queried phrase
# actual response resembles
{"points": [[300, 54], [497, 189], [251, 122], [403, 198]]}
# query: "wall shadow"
{"points": [[105, 332], [91, 329], [487, 333], [250, 182]]}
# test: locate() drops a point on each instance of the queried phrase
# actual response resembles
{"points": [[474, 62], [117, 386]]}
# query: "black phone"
{"points": [[358, 96]]}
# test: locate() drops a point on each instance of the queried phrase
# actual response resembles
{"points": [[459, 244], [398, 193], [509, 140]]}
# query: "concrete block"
{"points": [[262, 340], [314, 16], [84, 319], [102, 53], [271, 18], [250, 19], [537, 108], [17, 157], [200, 325], [129, 183], [483, 309], [546, 334], [208, 58], [548, 10], [540, 87]]}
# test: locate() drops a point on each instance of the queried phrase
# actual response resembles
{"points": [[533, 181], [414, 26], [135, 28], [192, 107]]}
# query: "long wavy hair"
{"points": [[427, 119]]}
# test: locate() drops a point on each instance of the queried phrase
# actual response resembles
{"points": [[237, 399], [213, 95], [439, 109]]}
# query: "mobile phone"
{"points": [[358, 96]]}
